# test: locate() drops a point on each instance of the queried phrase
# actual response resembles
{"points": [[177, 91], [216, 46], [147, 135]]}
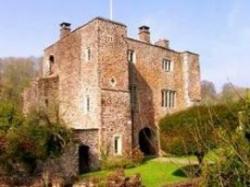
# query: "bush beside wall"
{"points": [[195, 129]]}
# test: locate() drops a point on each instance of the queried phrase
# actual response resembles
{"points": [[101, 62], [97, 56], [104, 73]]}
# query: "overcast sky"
{"points": [[219, 30]]}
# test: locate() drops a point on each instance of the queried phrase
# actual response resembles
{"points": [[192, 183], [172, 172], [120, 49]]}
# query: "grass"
{"points": [[160, 171], [154, 173], [211, 156], [180, 159]]}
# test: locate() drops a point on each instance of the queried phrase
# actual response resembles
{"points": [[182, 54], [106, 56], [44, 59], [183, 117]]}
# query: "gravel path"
{"points": [[184, 161]]}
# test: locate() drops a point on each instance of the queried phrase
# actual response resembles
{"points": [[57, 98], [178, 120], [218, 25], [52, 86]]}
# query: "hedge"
{"points": [[195, 129]]}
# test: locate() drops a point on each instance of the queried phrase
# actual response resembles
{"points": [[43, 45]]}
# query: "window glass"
{"points": [[167, 65], [168, 98], [117, 145]]}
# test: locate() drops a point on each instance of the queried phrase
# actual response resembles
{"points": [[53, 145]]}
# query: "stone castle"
{"points": [[112, 89]]}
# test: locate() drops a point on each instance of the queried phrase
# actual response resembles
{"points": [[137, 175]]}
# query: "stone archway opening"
{"points": [[146, 142], [84, 159]]}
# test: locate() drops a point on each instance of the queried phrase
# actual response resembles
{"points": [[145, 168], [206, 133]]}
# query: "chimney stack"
{"points": [[65, 29], [162, 43], [144, 33]]}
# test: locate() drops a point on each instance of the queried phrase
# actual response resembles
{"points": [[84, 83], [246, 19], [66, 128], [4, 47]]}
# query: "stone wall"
{"points": [[67, 165], [90, 138], [116, 121], [78, 77], [48, 96], [30, 97], [114, 82], [191, 78], [42, 94], [150, 79]]}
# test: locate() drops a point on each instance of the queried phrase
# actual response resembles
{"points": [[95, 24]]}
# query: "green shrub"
{"points": [[114, 162], [175, 146], [127, 161], [137, 156], [9, 116], [26, 141], [194, 131], [232, 168]]}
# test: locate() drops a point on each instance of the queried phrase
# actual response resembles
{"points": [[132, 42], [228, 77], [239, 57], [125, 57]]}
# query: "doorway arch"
{"points": [[84, 159], [146, 141]]}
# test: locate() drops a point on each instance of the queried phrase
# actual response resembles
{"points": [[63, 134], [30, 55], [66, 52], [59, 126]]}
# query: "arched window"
{"points": [[51, 64]]}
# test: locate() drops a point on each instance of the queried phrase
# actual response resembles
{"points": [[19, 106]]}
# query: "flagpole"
{"points": [[111, 9]]}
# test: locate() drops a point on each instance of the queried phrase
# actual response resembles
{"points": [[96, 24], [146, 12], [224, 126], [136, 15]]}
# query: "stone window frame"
{"points": [[168, 98], [117, 152], [87, 104], [109, 38], [131, 56], [51, 63], [88, 54], [167, 65]]}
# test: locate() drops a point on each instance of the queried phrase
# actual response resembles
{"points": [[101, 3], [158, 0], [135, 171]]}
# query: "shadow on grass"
{"points": [[148, 158], [188, 171]]}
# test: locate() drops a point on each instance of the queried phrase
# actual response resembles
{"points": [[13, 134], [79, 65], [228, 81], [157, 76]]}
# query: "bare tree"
{"points": [[15, 75], [231, 93], [208, 92]]}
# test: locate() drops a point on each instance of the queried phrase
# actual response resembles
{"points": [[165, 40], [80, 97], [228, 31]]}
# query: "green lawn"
{"points": [[154, 173]]}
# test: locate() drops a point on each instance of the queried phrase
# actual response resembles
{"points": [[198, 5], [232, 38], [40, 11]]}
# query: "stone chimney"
{"points": [[162, 43], [144, 33], [65, 29]]}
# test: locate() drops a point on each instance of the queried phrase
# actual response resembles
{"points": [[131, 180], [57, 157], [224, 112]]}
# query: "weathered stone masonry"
{"points": [[112, 89]]}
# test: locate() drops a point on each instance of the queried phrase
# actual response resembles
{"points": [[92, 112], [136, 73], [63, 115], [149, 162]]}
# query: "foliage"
{"points": [[127, 160], [194, 131], [114, 162], [208, 92], [9, 116], [229, 93], [26, 141], [137, 156], [232, 93], [15, 75], [232, 168]]}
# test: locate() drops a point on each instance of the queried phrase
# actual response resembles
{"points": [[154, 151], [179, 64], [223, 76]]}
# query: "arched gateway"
{"points": [[146, 141]]}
